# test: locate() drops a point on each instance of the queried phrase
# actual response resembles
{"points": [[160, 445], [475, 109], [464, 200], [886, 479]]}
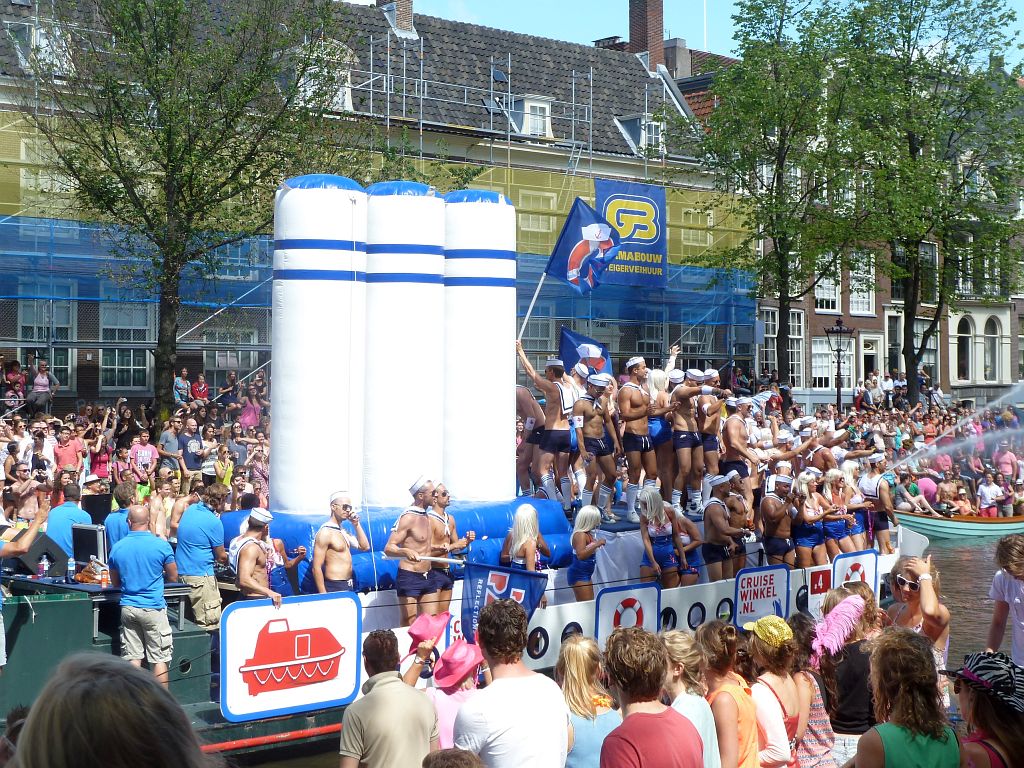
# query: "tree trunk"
{"points": [[166, 346], [911, 300], [785, 302]]}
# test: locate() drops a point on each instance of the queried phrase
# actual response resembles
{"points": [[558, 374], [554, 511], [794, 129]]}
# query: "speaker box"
{"points": [[28, 564]]}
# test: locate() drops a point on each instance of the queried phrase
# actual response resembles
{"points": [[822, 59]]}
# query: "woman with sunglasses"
{"points": [[915, 585], [838, 524], [808, 533], [664, 541]]}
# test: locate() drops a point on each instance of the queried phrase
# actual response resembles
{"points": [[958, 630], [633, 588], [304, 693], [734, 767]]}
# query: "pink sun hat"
{"points": [[458, 661], [426, 627]]}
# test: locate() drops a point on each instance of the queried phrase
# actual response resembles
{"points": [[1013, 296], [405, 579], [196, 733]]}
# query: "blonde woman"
{"points": [[838, 524], [578, 672], [684, 684], [524, 544], [661, 533], [856, 504], [584, 552], [808, 533], [223, 466]]}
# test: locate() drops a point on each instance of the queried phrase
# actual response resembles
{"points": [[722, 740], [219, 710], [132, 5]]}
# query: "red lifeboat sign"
{"points": [[300, 657]]}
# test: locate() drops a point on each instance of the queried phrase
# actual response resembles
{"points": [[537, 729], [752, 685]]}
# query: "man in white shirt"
{"points": [[1008, 593], [521, 718]]}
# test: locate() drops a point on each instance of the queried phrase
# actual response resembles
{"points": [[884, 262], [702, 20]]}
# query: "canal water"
{"points": [[966, 568]]}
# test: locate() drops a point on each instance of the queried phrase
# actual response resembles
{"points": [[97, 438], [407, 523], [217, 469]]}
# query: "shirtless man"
{"points": [[738, 455], [527, 454], [741, 515], [596, 433], [945, 494], [177, 510], [411, 539], [819, 456], [445, 539], [250, 561], [718, 546], [24, 490], [875, 489], [709, 418], [777, 522], [556, 444], [333, 545], [635, 406]]}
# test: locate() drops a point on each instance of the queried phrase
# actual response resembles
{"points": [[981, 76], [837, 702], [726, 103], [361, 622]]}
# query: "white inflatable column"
{"points": [[319, 302], [405, 375], [480, 317]]}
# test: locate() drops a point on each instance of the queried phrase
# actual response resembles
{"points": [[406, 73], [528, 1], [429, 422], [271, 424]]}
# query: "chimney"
{"points": [[613, 43], [647, 30], [399, 13], [677, 58]]}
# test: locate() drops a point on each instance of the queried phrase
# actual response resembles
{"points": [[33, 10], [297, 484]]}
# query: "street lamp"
{"points": [[839, 337]]}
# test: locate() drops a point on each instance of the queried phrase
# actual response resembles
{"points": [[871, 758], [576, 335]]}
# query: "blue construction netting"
{"points": [[40, 258]]}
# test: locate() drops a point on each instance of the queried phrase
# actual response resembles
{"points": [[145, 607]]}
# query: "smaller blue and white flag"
{"points": [[585, 248], [483, 584], [574, 347]]}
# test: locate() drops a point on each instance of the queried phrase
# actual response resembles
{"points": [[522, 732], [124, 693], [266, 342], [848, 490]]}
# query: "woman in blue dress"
{"points": [[584, 552]]}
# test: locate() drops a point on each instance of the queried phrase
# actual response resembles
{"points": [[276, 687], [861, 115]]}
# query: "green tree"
{"points": [[778, 146], [942, 123], [175, 121]]}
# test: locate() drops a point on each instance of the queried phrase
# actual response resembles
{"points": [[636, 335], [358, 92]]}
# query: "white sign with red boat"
{"points": [[302, 656]]}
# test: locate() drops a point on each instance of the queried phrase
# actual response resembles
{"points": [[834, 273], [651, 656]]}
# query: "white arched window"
{"points": [[964, 332], [991, 349]]}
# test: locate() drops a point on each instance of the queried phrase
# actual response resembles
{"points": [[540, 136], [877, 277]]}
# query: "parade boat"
{"points": [[959, 526]]}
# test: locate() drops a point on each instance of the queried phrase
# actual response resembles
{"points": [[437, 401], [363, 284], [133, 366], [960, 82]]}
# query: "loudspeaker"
{"points": [[28, 564], [97, 507]]}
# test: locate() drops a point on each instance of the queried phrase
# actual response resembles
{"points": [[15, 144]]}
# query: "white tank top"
{"points": [[869, 486]]}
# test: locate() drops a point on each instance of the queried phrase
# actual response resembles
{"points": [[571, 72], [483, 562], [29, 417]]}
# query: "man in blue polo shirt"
{"points": [[200, 543], [62, 517], [116, 522], [140, 563]]}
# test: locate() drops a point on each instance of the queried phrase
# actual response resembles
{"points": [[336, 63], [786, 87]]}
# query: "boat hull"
{"points": [[961, 525]]}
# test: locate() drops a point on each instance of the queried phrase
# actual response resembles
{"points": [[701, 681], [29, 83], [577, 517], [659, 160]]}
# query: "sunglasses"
{"points": [[905, 583], [442, 494], [346, 507]]}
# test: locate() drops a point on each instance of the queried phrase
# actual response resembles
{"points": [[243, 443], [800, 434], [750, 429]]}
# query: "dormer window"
{"points": [[644, 133], [533, 116]]}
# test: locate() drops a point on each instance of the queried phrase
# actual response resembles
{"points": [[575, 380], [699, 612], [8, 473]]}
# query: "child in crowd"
{"points": [[1008, 593]]}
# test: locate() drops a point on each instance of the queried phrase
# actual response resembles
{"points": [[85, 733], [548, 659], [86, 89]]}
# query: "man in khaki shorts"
{"points": [[200, 543], [140, 563]]}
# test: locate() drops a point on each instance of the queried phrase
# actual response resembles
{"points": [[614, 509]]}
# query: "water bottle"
{"points": [[43, 567], [70, 576]]}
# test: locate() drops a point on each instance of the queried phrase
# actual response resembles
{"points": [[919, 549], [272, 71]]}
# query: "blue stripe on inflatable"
{"points": [[479, 253], [426, 250], [309, 244], [319, 274], [489, 282], [404, 277]]}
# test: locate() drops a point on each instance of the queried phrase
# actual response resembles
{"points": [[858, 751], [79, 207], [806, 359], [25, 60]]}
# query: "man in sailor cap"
{"points": [[411, 538], [333, 545], [635, 406], [599, 438]]}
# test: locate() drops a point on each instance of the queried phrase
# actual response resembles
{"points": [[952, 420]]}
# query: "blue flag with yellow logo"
{"points": [[483, 584], [637, 212], [585, 248]]}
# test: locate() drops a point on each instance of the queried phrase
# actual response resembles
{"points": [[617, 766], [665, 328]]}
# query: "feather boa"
{"points": [[836, 628]]}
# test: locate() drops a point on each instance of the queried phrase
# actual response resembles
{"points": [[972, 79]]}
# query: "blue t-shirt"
{"points": [[116, 524], [139, 558], [198, 533], [171, 443], [191, 445], [58, 526]]}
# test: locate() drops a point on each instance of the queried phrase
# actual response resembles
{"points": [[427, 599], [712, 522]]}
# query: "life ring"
{"points": [[856, 572], [629, 604]]}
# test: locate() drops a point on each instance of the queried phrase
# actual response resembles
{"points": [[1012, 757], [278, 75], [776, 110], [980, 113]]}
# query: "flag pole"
{"points": [[529, 309]]}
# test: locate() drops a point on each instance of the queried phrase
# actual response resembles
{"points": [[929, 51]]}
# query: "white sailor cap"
{"points": [[694, 374], [805, 433], [676, 376], [337, 495], [260, 515], [839, 433], [710, 373], [598, 380], [554, 362], [783, 463], [581, 369], [716, 480], [745, 401], [420, 482], [783, 479], [732, 402], [732, 474], [814, 471], [874, 458], [634, 361], [783, 436]]}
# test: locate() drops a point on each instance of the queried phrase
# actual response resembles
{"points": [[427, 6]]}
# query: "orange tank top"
{"points": [[746, 720]]}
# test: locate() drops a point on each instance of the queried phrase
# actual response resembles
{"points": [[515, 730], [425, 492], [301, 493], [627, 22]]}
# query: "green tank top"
{"points": [[906, 750]]}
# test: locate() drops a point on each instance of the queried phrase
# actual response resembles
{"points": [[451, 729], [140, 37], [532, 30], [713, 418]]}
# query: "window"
{"points": [[930, 355], [1020, 348], [823, 364], [538, 338], [534, 200], [862, 286], [929, 257], [217, 362], [39, 176], [127, 323], [49, 320], [964, 341], [534, 116], [826, 295], [894, 332], [240, 261], [991, 349], [767, 357], [653, 136]]}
